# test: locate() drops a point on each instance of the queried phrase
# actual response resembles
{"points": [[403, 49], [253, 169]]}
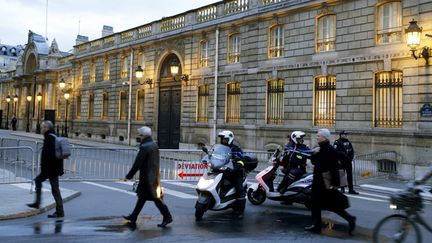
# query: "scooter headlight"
{"points": [[393, 206]]}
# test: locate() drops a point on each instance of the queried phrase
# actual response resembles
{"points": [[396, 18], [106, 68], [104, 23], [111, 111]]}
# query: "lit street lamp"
{"points": [[29, 98], [66, 96], [8, 99], [15, 98], [39, 99]]}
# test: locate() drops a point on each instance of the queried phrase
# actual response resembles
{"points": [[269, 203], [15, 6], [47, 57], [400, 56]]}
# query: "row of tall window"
{"points": [[105, 106], [387, 101]]}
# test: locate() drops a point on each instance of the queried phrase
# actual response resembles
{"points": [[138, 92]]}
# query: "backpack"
{"points": [[62, 147]]}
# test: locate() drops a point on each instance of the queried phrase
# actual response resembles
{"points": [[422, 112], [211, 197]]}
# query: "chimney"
{"points": [[107, 30], [81, 39]]}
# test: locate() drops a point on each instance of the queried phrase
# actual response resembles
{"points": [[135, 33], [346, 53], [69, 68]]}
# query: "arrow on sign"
{"points": [[181, 174]]}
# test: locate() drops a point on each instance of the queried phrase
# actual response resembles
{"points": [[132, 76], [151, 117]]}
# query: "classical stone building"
{"points": [[261, 68]]}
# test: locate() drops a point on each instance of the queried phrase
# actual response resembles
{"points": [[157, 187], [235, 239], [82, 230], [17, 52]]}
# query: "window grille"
{"points": [[203, 103], [105, 106], [91, 106], [388, 99], [123, 106], [275, 102], [233, 103], [140, 104], [325, 101]]}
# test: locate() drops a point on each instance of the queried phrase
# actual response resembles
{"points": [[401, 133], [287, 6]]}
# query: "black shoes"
{"points": [[165, 222], [313, 229], [353, 192], [56, 215], [130, 218], [352, 225], [33, 205]]}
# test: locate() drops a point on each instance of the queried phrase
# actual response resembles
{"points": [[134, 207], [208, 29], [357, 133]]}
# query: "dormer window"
{"points": [[13, 51], [4, 49]]}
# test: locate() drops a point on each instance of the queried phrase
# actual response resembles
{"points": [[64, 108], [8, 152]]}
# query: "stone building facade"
{"points": [[261, 68]]}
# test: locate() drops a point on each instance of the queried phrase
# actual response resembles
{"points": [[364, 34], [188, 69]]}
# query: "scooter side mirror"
{"points": [[205, 150]]}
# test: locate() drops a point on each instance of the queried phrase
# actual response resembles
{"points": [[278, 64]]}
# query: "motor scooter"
{"points": [[298, 192], [214, 191]]}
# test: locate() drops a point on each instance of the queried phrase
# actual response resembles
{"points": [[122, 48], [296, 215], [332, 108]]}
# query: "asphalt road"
{"points": [[95, 216]]}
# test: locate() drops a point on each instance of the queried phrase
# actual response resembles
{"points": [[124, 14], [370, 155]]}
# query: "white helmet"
{"points": [[227, 134], [296, 135]]}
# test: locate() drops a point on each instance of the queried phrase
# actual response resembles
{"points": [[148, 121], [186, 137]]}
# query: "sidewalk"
{"points": [[16, 196]]}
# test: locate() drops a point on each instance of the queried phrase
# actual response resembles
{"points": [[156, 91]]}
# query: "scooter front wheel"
{"points": [[256, 197], [199, 211]]}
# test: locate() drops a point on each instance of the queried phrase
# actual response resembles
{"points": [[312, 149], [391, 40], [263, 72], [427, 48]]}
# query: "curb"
{"points": [[34, 212]]}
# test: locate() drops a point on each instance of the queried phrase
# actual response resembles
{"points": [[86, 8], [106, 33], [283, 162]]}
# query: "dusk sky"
{"points": [[67, 18]]}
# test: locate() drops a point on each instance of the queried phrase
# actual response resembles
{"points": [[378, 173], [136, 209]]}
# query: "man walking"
{"points": [[344, 145], [51, 168], [147, 162]]}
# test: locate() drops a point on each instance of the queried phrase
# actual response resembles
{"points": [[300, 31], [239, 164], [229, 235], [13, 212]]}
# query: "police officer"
{"points": [[236, 175], [295, 158], [344, 145]]}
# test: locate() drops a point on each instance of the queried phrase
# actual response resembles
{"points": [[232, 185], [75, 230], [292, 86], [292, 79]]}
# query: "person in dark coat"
{"points": [[326, 159], [147, 162], [14, 123], [51, 168], [344, 145]]}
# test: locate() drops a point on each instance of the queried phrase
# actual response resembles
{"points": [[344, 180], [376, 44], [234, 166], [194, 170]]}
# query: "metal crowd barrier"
{"points": [[16, 164], [377, 164]]}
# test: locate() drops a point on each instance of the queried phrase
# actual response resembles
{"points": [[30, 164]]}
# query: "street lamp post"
{"points": [[8, 99], [39, 99], [15, 99], [66, 96], [29, 98]]}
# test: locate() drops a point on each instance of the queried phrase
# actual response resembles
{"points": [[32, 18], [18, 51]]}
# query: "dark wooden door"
{"points": [[169, 117]]}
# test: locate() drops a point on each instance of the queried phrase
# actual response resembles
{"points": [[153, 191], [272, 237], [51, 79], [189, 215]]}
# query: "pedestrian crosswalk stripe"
{"points": [[367, 198], [166, 191], [109, 188], [183, 184]]}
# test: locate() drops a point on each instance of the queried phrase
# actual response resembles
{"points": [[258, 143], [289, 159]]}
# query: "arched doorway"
{"points": [[169, 104]]}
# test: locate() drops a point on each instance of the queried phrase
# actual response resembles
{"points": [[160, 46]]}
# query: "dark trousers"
{"points": [[349, 171], [316, 212], [55, 190], [163, 209]]}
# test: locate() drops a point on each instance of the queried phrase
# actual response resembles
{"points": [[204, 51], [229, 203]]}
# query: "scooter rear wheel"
{"points": [[256, 197]]}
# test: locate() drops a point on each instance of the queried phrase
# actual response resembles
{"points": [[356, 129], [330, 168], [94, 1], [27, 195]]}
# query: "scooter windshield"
{"points": [[220, 155]]}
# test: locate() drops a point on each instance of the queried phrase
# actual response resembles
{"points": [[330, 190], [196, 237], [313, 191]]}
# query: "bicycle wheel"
{"points": [[396, 228]]}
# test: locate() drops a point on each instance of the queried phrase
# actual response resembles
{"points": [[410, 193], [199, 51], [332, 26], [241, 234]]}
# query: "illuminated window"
{"points": [[275, 102], [92, 72], [389, 22], [234, 48], [140, 104], [59, 109], [203, 53], [105, 106], [124, 67], [78, 106], [203, 103], [232, 113], [326, 33], [80, 74], [141, 60], [388, 99], [325, 101], [275, 41], [91, 106], [106, 70], [123, 105]]}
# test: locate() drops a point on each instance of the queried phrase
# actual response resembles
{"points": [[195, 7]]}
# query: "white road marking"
{"points": [[178, 183], [27, 186], [166, 191], [110, 188], [374, 195], [380, 188], [367, 198]]}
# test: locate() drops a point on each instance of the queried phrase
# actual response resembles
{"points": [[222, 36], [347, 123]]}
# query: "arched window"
{"points": [[123, 102], [203, 103], [203, 53], [124, 67], [232, 110], [326, 33], [106, 69], [92, 72], [91, 106], [234, 48], [140, 104], [325, 101], [275, 41], [105, 106]]}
